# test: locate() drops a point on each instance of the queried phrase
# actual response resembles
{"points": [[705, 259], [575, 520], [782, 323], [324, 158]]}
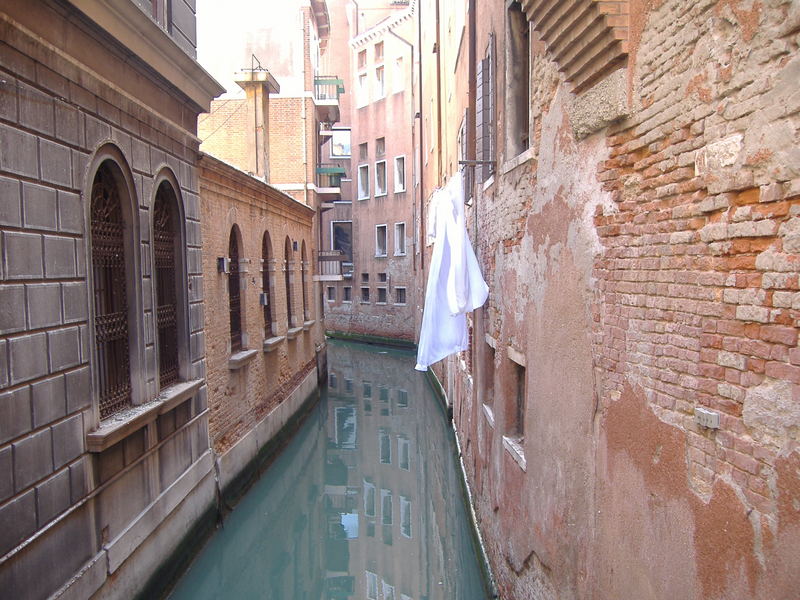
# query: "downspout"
{"points": [[438, 96], [306, 52], [421, 148]]}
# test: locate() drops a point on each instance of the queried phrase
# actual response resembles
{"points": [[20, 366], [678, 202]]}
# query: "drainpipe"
{"points": [[306, 51], [421, 147], [438, 96], [413, 127]]}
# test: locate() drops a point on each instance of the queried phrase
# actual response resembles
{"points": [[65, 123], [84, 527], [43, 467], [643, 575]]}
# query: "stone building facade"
{"points": [[104, 454], [628, 409]]}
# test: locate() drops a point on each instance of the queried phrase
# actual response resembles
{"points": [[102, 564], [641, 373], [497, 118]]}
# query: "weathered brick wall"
{"points": [[642, 271], [238, 399], [221, 131]]}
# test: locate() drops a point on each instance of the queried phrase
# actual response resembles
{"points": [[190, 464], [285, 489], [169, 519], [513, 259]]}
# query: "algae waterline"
{"points": [[364, 502]]}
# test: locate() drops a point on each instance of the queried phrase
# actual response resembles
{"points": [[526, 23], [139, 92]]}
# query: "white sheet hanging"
{"points": [[455, 284]]}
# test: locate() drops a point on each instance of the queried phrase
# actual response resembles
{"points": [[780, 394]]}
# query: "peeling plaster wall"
{"points": [[641, 264]]}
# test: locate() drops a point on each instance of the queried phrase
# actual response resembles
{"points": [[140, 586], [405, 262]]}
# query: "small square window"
{"points": [[363, 151], [380, 147], [347, 294], [365, 278], [381, 295], [331, 294], [340, 143], [364, 294], [399, 295], [382, 277]]}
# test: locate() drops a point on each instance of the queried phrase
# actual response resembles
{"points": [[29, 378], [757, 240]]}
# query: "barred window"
{"points": [[110, 294], [303, 282], [287, 273], [266, 288], [165, 245], [234, 293]]}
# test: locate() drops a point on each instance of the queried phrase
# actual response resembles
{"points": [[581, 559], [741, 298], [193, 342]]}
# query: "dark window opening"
{"points": [[517, 82], [287, 273], [165, 245], [110, 295], [266, 257], [234, 294]]}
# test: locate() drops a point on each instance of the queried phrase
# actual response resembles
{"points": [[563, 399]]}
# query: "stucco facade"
{"points": [[639, 238]]}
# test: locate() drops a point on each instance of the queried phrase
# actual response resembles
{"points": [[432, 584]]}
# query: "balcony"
{"points": [[327, 89], [329, 184], [330, 265]]}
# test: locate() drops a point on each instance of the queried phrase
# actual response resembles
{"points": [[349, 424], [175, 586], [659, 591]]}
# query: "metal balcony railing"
{"points": [[328, 87], [329, 175]]}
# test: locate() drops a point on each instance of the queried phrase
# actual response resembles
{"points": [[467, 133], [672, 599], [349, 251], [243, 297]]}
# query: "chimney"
{"points": [[258, 84]]}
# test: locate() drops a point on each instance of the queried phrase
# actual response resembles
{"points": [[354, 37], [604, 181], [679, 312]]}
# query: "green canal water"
{"points": [[365, 502]]}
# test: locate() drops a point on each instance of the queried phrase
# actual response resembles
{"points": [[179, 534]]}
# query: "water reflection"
{"points": [[363, 504]]}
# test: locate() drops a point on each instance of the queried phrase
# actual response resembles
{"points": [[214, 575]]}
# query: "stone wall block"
{"points": [[36, 109], [147, 293], [48, 398], [96, 132], [84, 337], [196, 288], [193, 237], [52, 497], [78, 388], [8, 98], [79, 479], [40, 207], [15, 414], [64, 348], [23, 255], [197, 346], [6, 473], [33, 459], [196, 316], [59, 257], [12, 308], [192, 206], [148, 328], [123, 140], [144, 225], [19, 521], [56, 162], [140, 156], [80, 253], [75, 302], [44, 305], [3, 364], [28, 357], [50, 80], [195, 261], [68, 440], [10, 207], [70, 212], [19, 152], [80, 165], [69, 127]]}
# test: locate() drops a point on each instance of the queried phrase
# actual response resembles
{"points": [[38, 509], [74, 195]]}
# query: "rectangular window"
{"points": [[363, 182], [405, 516], [380, 178], [366, 389], [380, 240], [342, 238], [372, 586], [362, 92], [403, 453], [340, 143], [369, 499], [347, 294], [484, 113], [364, 294], [365, 278], [399, 295], [399, 76], [380, 147], [348, 386], [399, 174], [380, 87], [362, 59], [331, 294], [402, 399], [518, 81], [399, 239], [381, 295], [517, 420], [388, 591], [386, 507], [379, 52], [385, 447], [382, 277], [363, 152]]}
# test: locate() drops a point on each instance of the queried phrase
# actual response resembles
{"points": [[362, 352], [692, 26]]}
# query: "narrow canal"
{"points": [[364, 502]]}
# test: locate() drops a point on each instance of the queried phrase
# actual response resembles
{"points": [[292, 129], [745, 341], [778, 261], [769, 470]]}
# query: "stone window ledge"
{"points": [[119, 426], [308, 324], [240, 359], [293, 332], [489, 414], [514, 447], [519, 159], [272, 343]]}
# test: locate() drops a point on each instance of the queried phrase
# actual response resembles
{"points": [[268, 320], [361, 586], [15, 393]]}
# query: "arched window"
{"points": [[166, 240], [109, 277], [287, 271], [303, 282], [266, 288], [234, 295]]}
